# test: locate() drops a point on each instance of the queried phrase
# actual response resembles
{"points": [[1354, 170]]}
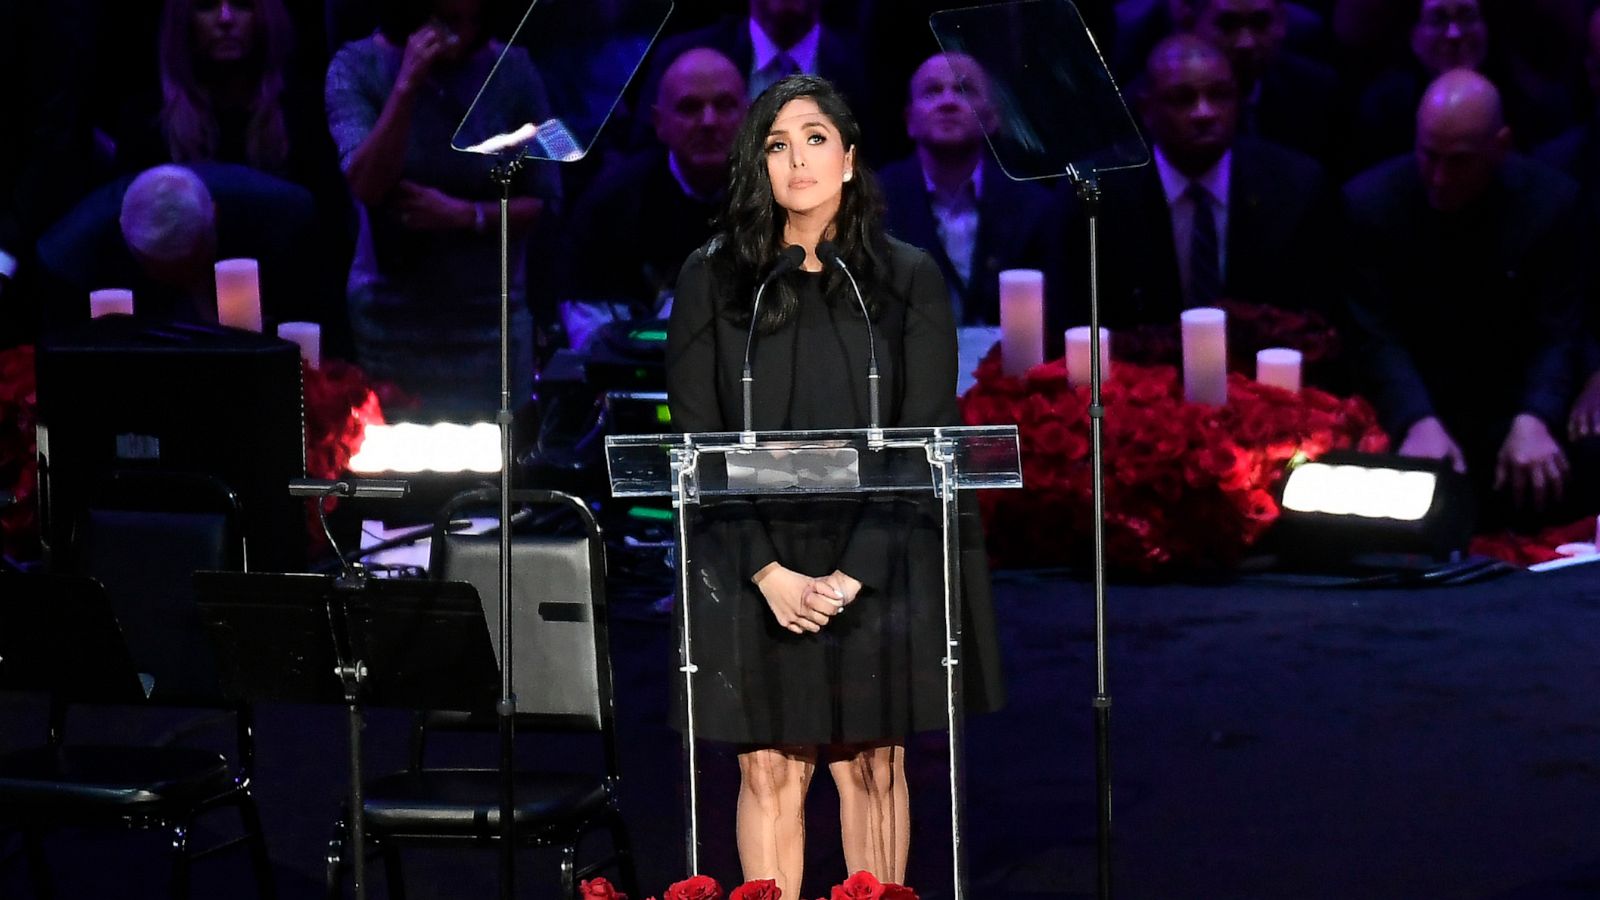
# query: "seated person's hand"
{"points": [[1531, 464], [1584, 420], [1427, 439], [422, 208], [790, 597]]}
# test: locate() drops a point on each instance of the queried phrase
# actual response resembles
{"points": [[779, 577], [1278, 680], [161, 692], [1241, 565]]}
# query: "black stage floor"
{"points": [[1269, 741]]}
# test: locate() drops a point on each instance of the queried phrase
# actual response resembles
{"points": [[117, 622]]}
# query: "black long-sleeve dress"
{"points": [[873, 673]]}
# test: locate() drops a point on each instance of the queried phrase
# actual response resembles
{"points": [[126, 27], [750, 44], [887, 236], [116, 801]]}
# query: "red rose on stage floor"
{"points": [[599, 889], [766, 889], [860, 886], [700, 887]]}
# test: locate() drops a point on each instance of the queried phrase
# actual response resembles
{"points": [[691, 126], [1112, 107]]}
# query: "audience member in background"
{"points": [[424, 290], [159, 234], [1217, 216], [224, 67], [45, 144], [949, 198], [1468, 294], [169, 223], [1284, 97], [1140, 24], [643, 217], [900, 40], [774, 39], [1446, 35], [1577, 153]]}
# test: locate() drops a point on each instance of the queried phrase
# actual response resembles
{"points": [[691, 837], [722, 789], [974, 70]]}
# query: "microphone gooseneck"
{"points": [[829, 254], [791, 259]]}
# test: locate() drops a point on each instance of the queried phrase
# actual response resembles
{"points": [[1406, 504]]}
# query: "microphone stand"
{"points": [[1086, 185], [504, 173], [875, 427]]}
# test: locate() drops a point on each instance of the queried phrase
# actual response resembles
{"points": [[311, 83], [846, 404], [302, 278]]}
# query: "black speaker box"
{"points": [[118, 393]]}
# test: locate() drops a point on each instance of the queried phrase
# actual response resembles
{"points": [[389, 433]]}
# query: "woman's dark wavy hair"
{"points": [[751, 225]]}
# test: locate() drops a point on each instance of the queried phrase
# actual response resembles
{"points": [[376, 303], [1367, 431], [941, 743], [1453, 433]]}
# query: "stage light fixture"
{"points": [[408, 447], [1345, 504]]}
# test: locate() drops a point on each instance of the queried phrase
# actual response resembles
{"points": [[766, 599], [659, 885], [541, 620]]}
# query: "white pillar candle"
{"points": [[1079, 354], [1279, 367], [239, 293], [1205, 355], [1021, 320], [309, 336], [110, 302]]}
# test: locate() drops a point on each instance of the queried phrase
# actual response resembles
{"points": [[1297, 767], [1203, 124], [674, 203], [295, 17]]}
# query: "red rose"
{"points": [[700, 887], [860, 886], [897, 892], [599, 889], [766, 889]]}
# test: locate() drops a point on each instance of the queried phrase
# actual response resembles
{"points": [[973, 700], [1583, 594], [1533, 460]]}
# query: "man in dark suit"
{"points": [[161, 232], [776, 38], [1577, 153], [1468, 293], [642, 218], [949, 199], [1284, 97], [1214, 216]]}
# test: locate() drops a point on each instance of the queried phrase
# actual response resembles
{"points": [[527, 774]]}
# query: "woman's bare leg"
{"points": [[874, 808], [771, 820]]}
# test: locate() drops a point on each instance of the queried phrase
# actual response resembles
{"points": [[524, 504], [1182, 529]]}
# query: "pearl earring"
{"points": [[849, 175]]}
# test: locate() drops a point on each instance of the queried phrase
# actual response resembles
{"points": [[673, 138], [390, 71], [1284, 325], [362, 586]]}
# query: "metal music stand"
{"points": [[413, 643]]}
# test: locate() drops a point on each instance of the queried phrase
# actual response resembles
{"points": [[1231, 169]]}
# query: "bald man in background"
{"points": [[642, 218], [1467, 292], [950, 199]]}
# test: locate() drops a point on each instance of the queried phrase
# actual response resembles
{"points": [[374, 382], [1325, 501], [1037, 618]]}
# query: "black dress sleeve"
{"points": [[693, 373]]}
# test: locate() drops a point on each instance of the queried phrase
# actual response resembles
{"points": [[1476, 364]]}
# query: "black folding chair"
{"points": [[563, 684], [58, 634]]}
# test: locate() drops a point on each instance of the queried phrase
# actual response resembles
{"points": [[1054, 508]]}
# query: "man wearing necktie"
{"points": [[773, 40], [1215, 216], [1192, 112]]}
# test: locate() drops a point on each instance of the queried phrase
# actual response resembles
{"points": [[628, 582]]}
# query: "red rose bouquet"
{"points": [[1186, 485], [860, 886]]}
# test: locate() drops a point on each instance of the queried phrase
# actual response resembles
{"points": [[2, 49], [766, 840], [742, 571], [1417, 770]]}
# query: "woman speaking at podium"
{"points": [[818, 621]]}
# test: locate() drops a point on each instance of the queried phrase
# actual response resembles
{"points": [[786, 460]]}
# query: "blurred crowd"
{"points": [[1425, 174]]}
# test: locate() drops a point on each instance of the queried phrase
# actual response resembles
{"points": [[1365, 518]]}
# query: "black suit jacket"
{"points": [[1282, 216], [631, 232], [258, 216], [1300, 105], [1469, 316], [1019, 227], [839, 59]]}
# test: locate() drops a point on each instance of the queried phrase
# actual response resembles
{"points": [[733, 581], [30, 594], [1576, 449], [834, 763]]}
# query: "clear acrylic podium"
{"points": [[936, 461]]}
